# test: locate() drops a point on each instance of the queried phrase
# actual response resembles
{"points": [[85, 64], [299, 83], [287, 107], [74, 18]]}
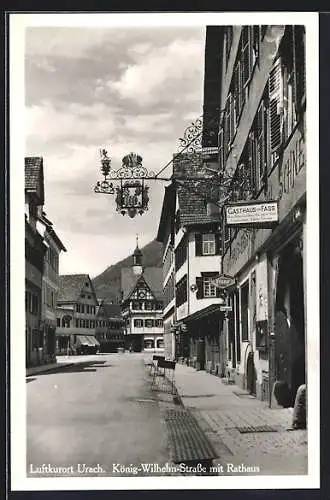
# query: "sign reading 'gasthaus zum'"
{"points": [[259, 213]]}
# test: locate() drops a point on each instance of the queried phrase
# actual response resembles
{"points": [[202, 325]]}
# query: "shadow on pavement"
{"points": [[80, 366]]}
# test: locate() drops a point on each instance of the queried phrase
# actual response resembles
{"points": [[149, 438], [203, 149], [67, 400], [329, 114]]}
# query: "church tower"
{"points": [[137, 259]]}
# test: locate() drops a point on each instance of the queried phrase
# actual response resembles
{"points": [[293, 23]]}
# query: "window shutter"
{"points": [[217, 244], [275, 105], [198, 244], [221, 155], [246, 56], [200, 291]]}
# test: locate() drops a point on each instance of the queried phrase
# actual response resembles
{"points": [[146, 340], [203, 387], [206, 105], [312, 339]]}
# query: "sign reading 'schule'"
{"points": [[258, 213]]}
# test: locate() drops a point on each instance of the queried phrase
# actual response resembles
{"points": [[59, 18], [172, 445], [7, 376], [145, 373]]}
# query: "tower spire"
{"points": [[137, 258]]}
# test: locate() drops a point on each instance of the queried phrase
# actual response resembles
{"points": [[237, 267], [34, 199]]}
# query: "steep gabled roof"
{"points": [[153, 277], [111, 310], [34, 177], [70, 286]]}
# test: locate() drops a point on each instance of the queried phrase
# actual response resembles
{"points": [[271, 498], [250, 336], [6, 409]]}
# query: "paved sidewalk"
{"points": [[62, 362], [226, 413]]}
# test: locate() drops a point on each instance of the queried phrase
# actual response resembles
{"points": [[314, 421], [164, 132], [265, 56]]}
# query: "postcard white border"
{"points": [[18, 23]]}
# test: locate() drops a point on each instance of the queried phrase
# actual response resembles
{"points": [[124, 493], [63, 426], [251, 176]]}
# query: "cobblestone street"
{"points": [[226, 414]]}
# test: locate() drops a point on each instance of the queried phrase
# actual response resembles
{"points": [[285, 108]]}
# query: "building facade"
{"points": [[76, 315], [142, 306], [50, 286], [34, 261], [262, 150], [109, 329], [191, 262]]}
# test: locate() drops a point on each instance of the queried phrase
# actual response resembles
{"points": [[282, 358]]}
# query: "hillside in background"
{"points": [[107, 284]]}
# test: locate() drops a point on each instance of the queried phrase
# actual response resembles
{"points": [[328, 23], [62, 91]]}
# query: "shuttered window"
{"points": [[221, 151], [246, 56], [256, 34], [275, 87]]}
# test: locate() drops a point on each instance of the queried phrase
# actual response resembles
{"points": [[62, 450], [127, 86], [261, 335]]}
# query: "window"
{"points": [[82, 295], [58, 321], [256, 34], [138, 323], [258, 145], [77, 323], [207, 244], [149, 323], [246, 56], [275, 89], [206, 287], [209, 289], [148, 343], [180, 253], [181, 291], [158, 322], [208, 241], [245, 311], [160, 344], [66, 321], [148, 306]]}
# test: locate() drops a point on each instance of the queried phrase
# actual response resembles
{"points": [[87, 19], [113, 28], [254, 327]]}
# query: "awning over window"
{"points": [[87, 340]]}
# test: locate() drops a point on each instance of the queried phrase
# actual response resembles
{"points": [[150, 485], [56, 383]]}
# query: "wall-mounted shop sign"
{"points": [[246, 214], [224, 281], [226, 308]]}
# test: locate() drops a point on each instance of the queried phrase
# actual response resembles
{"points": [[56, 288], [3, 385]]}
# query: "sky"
{"points": [[119, 88]]}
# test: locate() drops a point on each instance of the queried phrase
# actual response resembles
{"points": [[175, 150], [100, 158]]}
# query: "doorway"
{"points": [[251, 375], [290, 323]]}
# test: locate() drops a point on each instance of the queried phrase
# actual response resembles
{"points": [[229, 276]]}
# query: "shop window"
{"points": [[261, 335], [138, 323], [245, 311], [148, 344]]}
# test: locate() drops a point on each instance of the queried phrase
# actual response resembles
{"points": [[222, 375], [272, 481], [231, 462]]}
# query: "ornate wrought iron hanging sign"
{"points": [[132, 196]]}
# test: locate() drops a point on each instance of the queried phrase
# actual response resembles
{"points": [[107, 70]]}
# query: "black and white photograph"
{"points": [[166, 272]]}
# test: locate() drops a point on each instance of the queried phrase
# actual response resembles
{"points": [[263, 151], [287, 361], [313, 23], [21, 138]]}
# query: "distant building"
{"points": [[50, 286], [76, 314], [34, 260], [142, 305], [109, 329]]}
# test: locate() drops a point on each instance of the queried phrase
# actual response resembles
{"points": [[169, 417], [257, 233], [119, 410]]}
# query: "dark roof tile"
{"points": [[70, 286], [34, 176]]}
